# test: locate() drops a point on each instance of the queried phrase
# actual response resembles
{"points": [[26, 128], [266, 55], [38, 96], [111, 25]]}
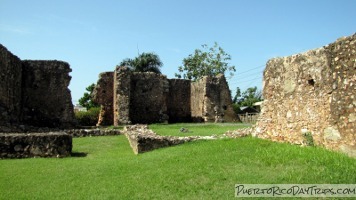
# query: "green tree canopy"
{"points": [[145, 62], [205, 62], [87, 99], [246, 98]]}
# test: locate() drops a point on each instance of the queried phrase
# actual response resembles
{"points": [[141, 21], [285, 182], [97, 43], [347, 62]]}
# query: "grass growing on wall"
{"points": [[106, 168]]}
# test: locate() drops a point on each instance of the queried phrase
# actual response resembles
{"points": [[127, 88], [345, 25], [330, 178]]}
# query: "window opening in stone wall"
{"points": [[311, 82]]}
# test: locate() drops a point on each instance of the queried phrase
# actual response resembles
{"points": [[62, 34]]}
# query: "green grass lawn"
{"points": [[196, 170]]}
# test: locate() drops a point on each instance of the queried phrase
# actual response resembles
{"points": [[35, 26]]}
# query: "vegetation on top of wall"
{"points": [[144, 62], [205, 62]]}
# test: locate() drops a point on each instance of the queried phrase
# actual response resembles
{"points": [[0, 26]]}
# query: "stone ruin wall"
{"points": [[211, 100], [21, 145], [312, 92], [10, 88], [34, 93], [178, 102], [152, 98], [103, 95], [148, 103], [139, 97], [46, 98]]}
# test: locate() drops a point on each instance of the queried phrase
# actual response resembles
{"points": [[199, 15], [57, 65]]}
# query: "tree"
{"points": [[145, 62], [87, 99], [205, 62], [246, 98]]}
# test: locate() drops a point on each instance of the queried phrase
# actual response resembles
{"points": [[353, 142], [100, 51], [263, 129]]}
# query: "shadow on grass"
{"points": [[79, 154]]}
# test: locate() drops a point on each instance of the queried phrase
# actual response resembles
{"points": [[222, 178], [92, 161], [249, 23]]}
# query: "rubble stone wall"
{"points": [[122, 93], [197, 100], [34, 93], [21, 145], [312, 92], [142, 139], [10, 88], [46, 98], [103, 95], [178, 102], [211, 100], [148, 98]]}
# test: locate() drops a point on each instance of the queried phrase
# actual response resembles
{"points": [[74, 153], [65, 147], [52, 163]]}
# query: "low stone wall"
{"points": [[143, 139], [92, 132], [21, 145]]}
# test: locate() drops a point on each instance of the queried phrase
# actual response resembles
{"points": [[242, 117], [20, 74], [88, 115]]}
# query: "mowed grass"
{"points": [[193, 129], [196, 170]]}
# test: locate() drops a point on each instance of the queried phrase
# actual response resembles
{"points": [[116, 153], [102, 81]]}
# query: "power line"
{"points": [[251, 69]]}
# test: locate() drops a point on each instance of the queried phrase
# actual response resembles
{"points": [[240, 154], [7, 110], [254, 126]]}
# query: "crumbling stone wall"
{"points": [[33, 93], [20, 145], [142, 139], [312, 92], [10, 88], [103, 95], [178, 102], [152, 98], [122, 93], [46, 98], [148, 98], [211, 100]]}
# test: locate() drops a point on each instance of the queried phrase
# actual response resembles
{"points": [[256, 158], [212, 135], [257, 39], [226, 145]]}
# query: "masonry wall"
{"points": [[149, 93], [103, 95], [46, 98], [10, 88], [122, 93], [211, 100], [312, 92], [178, 102], [20, 145], [149, 97]]}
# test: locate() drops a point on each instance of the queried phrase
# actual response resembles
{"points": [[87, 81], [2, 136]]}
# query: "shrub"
{"points": [[88, 118]]}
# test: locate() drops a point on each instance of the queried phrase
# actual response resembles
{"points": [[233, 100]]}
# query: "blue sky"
{"points": [[95, 36]]}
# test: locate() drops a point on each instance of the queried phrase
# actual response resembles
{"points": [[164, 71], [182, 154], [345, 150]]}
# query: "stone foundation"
{"points": [[92, 132], [142, 139], [21, 145]]}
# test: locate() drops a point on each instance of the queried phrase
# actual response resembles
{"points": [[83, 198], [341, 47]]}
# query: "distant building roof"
{"points": [[258, 103]]}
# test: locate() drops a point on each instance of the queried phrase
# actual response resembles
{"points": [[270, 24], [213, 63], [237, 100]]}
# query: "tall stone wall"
{"points": [[46, 98], [211, 100], [122, 93], [103, 95], [178, 102], [10, 87], [33, 93], [312, 92], [148, 98], [197, 100]]}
